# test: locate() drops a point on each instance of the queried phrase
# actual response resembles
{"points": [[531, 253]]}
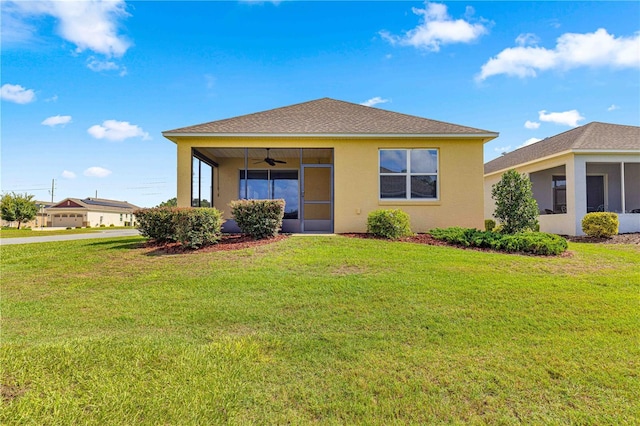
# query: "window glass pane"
{"points": [[424, 161], [393, 161], [423, 187], [258, 185], [284, 184], [393, 187]]}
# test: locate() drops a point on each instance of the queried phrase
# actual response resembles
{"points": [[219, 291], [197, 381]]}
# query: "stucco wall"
{"points": [[356, 179]]}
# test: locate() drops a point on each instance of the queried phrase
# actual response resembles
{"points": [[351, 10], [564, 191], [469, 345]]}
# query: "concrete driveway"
{"points": [[109, 233]]}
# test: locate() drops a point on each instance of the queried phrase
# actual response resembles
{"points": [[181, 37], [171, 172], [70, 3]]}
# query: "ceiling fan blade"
{"points": [[280, 161]]}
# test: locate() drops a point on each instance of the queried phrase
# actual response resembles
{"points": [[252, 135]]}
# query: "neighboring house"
{"points": [[595, 167], [333, 162], [39, 221], [94, 212]]}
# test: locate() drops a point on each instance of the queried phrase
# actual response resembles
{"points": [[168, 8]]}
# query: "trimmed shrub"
{"points": [[489, 224], [197, 227], [258, 218], [157, 223], [389, 223], [191, 227], [539, 243], [600, 224]]}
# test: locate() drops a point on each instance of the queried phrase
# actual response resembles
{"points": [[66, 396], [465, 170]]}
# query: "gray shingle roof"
{"points": [[591, 136], [329, 116], [98, 204]]}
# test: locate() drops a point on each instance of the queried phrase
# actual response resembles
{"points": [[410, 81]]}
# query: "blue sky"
{"points": [[88, 87]]}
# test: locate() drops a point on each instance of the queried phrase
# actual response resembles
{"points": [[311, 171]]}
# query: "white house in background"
{"points": [[94, 212], [595, 167]]}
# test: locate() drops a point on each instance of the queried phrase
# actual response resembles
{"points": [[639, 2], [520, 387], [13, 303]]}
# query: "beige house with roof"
{"points": [[93, 212], [595, 167], [333, 162]]}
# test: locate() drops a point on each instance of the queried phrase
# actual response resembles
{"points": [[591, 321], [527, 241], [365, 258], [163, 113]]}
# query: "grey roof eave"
{"points": [[489, 135]]}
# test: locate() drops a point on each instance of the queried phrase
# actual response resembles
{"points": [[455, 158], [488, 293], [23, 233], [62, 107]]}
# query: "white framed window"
{"points": [[408, 174]]}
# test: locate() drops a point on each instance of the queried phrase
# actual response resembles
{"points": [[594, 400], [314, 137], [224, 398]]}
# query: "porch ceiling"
{"points": [[260, 153]]}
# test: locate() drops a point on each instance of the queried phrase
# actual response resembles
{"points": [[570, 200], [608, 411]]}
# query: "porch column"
{"points": [[184, 175], [622, 194], [577, 191]]}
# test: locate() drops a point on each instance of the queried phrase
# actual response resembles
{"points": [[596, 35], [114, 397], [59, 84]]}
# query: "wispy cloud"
{"points": [[566, 118], [117, 131], [91, 25], [531, 124], [530, 141], [69, 175], [437, 28], [99, 172], [17, 94], [375, 101], [56, 120], [502, 149], [572, 50], [99, 65], [613, 107]]}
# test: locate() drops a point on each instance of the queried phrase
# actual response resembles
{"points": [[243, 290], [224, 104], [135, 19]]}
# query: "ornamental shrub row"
{"points": [[539, 243], [389, 223], [191, 227], [258, 218]]}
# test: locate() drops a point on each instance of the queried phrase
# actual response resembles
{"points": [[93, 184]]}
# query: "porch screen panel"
{"points": [[284, 184], [272, 184]]}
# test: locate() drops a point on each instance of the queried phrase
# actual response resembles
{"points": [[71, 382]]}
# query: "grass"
{"points": [[325, 330], [20, 233]]}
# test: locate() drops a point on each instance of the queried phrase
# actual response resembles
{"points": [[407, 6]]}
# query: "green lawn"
{"points": [[326, 330], [19, 233]]}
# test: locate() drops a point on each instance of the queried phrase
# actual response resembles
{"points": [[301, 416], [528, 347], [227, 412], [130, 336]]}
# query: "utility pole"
{"points": [[53, 182]]}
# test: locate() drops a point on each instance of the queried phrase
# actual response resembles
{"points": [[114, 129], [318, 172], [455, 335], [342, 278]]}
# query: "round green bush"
{"points": [[391, 224], [600, 224]]}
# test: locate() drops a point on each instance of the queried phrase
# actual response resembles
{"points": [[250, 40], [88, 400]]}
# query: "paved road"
{"points": [[49, 238]]}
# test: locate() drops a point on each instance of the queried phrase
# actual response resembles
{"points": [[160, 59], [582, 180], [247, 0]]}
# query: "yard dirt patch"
{"points": [[227, 242]]}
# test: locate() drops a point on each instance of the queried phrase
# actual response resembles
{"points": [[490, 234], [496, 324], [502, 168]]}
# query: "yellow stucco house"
{"points": [[333, 162]]}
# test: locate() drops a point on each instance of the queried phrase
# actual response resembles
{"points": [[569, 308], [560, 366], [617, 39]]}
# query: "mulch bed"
{"points": [[227, 242], [616, 239], [240, 241]]}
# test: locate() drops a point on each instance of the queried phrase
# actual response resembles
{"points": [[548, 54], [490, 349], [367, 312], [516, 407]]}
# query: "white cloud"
{"points": [[374, 101], [529, 142], [527, 39], [16, 93], [98, 65], [437, 28], [531, 124], [567, 118], [502, 149], [54, 98], [613, 107], [97, 172], [90, 25], [597, 49], [117, 131], [69, 175], [57, 120]]}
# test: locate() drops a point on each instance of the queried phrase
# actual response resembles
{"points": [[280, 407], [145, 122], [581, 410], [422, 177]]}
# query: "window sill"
{"points": [[409, 202]]}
